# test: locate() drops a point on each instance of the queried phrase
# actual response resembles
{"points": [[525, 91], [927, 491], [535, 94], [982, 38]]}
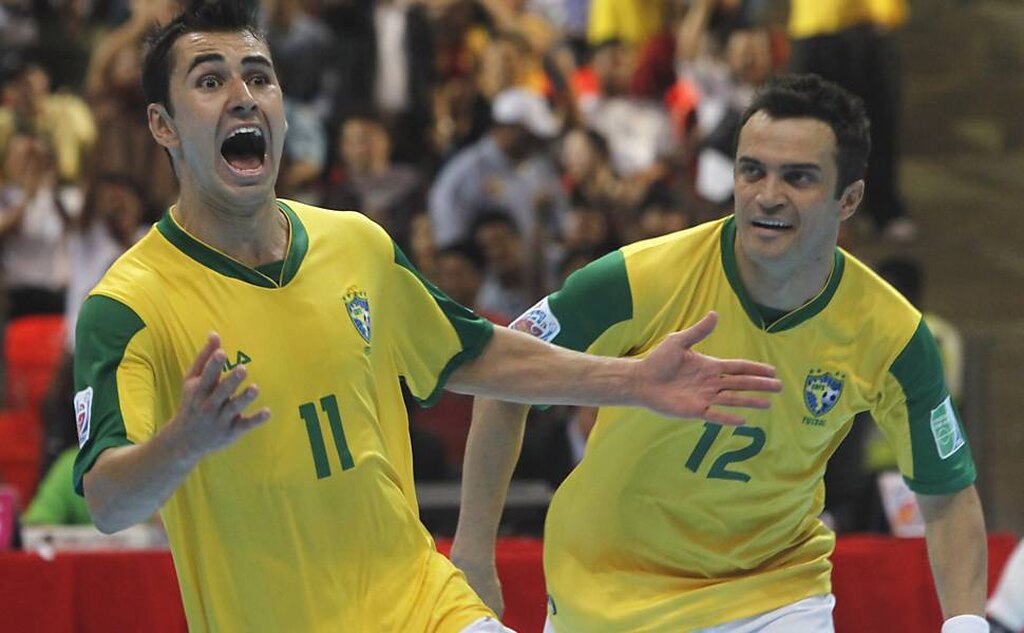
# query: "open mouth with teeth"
{"points": [[245, 149], [775, 225]]}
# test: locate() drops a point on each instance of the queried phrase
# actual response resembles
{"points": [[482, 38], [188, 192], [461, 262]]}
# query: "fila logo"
{"points": [[241, 358]]}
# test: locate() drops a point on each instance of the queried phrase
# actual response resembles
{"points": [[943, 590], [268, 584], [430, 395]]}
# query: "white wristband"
{"points": [[965, 624]]}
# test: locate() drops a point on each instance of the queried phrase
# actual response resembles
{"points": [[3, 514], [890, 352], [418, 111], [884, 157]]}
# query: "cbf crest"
{"points": [[357, 304], [822, 391]]}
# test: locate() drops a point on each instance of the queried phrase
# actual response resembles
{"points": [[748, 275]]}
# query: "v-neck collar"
{"points": [[218, 261], [791, 319]]}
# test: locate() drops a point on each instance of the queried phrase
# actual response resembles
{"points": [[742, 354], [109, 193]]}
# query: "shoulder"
{"points": [[477, 156], [864, 293], [344, 232], [135, 270], [317, 219], [669, 256], [138, 277]]}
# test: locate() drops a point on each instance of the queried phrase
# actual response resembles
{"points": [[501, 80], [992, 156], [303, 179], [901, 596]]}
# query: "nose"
{"points": [[770, 194], [242, 101]]}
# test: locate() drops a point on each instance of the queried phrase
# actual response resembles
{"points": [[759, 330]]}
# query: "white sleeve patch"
{"points": [[83, 414], [946, 429], [539, 321]]}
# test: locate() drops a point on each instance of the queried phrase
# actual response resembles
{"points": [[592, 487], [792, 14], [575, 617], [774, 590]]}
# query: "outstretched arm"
{"points": [[958, 551], [672, 380]]}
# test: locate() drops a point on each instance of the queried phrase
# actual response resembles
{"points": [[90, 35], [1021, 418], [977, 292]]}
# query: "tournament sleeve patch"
{"points": [[103, 333], [539, 321], [946, 429], [940, 457], [83, 414]]}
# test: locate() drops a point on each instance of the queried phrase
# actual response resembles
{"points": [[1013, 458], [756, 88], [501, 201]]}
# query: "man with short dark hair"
{"points": [[669, 527], [308, 522]]}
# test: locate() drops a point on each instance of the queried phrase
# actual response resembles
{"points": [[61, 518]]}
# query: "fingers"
{"points": [[212, 343], [729, 399], [227, 387], [211, 372], [235, 406], [749, 383], [724, 418], [748, 367], [698, 331], [243, 423]]}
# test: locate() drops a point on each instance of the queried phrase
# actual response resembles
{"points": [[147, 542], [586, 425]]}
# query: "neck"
{"points": [[784, 287], [254, 236]]}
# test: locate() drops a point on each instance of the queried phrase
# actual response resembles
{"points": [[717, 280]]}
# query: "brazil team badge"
{"points": [[822, 391], [358, 306]]}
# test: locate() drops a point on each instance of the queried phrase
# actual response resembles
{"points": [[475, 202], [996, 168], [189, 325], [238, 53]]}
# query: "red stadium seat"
{"points": [[21, 439], [32, 349], [32, 352]]}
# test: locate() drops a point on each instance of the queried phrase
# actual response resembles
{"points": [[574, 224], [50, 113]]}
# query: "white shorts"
{"points": [[487, 625], [811, 615]]}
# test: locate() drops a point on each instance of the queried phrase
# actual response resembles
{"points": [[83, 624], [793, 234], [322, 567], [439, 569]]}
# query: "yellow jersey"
{"points": [[310, 521], [810, 18], [634, 21], [671, 525]]}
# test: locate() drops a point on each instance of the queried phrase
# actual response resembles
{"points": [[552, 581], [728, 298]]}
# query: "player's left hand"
{"points": [[677, 381]]}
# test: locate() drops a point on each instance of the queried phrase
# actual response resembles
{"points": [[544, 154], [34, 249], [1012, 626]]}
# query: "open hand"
{"points": [[677, 381], [210, 416]]}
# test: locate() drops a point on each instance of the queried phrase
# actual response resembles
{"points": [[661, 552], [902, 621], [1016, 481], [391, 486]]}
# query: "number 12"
{"points": [[307, 411], [719, 468]]}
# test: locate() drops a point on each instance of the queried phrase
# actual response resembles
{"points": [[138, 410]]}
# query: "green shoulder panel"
{"points": [[473, 330], [593, 299], [942, 458], [105, 327]]}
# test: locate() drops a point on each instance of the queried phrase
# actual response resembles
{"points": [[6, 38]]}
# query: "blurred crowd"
{"points": [[502, 143]]}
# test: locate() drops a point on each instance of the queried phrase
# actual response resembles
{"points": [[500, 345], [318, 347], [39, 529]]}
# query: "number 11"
{"points": [[307, 411]]}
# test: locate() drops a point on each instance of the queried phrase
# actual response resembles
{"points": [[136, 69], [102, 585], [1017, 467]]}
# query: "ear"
{"points": [[161, 126], [850, 199]]}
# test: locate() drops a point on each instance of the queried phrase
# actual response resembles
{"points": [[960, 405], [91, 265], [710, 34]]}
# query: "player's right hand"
{"points": [[210, 414], [483, 578]]}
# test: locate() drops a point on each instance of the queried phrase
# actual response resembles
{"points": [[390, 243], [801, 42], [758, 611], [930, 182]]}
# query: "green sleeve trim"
{"points": [[918, 370], [105, 327], [473, 330], [593, 299], [963, 480]]}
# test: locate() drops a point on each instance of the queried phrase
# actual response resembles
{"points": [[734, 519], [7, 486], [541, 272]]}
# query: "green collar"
{"points": [[792, 319], [298, 243]]}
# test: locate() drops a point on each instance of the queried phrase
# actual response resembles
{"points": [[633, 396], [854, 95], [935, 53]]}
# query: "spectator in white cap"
{"points": [[508, 168]]}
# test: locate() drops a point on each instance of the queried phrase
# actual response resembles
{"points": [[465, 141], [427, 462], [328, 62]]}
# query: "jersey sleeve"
{"points": [[431, 334], [584, 313], [917, 415], [114, 381]]}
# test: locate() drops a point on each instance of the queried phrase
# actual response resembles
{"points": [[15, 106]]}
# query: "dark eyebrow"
{"points": [[202, 59], [259, 60], [802, 166], [746, 160]]}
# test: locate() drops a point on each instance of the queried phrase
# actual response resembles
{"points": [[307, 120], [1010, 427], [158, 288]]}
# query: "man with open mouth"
{"points": [[308, 521]]}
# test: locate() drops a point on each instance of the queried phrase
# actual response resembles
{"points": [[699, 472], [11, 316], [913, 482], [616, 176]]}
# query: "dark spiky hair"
{"points": [[201, 16], [811, 97]]}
